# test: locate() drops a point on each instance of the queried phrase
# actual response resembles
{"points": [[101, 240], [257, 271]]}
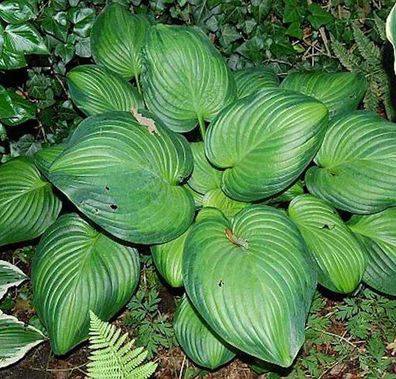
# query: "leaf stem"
{"points": [[202, 127]]}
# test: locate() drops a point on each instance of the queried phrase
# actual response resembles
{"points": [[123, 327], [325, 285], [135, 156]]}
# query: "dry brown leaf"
{"points": [[392, 347], [145, 121]]}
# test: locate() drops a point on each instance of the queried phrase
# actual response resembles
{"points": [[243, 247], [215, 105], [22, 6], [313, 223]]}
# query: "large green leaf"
{"points": [[197, 340], [356, 164], [16, 339], [253, 79], [185, 77], [251, 279], [27, 203], [96, 90], [117, 39], [341, 92], [340, 258], [265, 141], [126, 178], [377, 233], [391, 31], [168, 259], [10, 276], [77, 269]]}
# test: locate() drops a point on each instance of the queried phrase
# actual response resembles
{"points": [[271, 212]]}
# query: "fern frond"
{"points": [[372, 98], [347, 59], [367, 48], [387, 96], [380, 27], [112, 357]]}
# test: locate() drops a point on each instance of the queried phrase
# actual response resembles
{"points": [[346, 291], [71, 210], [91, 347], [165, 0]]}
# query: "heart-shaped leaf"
{"points": [[185, 77], [117, 39], [340, 258], [197, 340], [251, 279], [95, 90], [25, 39], [377, 233], [341, 92], [265, 141], [27, 204], [10, 276], [356, 164], [126, 178], [168, 259], [253, 79], [77, 269], [16, 339]]}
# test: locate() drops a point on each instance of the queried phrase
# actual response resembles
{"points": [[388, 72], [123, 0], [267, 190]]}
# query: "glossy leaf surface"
{"points": [[185, 77], [77, 269], [251, 279], [197, 340], [28, 205], [127, 179], [340, 258], [265, 141], [117, 39], [356, 164], [377, 233], [253, 79]]}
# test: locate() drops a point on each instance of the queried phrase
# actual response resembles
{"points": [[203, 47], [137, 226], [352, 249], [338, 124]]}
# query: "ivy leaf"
{"points": [[11, 59], [17, 11], [24, 110], [83, 19], [318, 16], [6, 107], [25, 39], [295, 30]]}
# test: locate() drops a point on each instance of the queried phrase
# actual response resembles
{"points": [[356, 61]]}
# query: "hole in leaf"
{"points": [[327, 226], [221, 283], [114, 207], [107, 188]]}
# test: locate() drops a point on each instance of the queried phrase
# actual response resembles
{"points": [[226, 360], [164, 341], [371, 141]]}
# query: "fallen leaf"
{"points": [[145, 121], [392, 347]]}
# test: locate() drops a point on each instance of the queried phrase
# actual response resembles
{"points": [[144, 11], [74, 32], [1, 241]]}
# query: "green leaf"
{"points": [[341, 92], [251, 279], [295, 190], [96, 90], [185, 78], [391, 31], [6, 106], [17, 11], [44, 158], [264, 151], [10, 276], [295, 30], [96, 274], [340, 258], [253, 79], [356, 164], [197, 340], [25, 39], [117, 39], [27, 204], [24, 110], [377, 233], [319, 16], [204, 177], [168, 259], [11, 59], [83, 19], [16, 339], [127, 179]]}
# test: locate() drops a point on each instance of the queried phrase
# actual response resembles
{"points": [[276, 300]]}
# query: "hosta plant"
{"points": [[248, 191]]}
